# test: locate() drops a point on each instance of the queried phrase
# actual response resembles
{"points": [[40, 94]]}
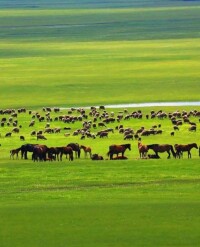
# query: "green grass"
{"points": [[109, 203], [84, 53], [81, 74], [74, 57]]}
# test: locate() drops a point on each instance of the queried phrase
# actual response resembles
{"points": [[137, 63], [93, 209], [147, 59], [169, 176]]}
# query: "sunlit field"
{"points": [[79, 53], [99, 56]]}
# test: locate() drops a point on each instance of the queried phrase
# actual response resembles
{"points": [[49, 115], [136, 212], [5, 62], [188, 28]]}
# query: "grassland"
{"points": [[106, 203], [103, 204], [81, 53], [135, 54]]}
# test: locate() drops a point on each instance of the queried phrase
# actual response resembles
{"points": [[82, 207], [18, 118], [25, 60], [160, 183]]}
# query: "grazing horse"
{"points": [[184, 148], [54, 152], [86, 150], [75, 147], [13, 152], [143, 149], [66, 150], [26, 148], [39, 153], [116, 149], [157, 148]]}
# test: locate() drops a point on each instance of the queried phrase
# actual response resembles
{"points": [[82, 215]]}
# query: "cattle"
{"points": [[128, 137], [32, 123], [103, 134], [8, 134], [176, 127], [192, 128], [15, 130], [41, 137], [33, 133], [22, 138]]}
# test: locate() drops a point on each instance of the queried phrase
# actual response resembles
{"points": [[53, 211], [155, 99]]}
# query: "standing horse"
{"points": [[75, 147], [26, 148], [54, 152], [13, 152], [86, 150], [39, 153], [157, 148], [143, 149], [116, 149], [66, 150], [184, 148]]}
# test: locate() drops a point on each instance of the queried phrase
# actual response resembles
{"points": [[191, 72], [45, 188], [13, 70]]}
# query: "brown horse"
{"points": [[39, 153], [14, 151], [66, 150], [117, 149], [143, 149], [157, 148], [86, 150], [184, 148]]}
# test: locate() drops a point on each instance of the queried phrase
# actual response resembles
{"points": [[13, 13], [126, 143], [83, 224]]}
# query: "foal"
{"points": [[13, 152], [143, 149], [86, 150]]}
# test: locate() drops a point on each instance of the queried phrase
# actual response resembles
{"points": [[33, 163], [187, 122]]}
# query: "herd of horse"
{"points": [[177, 151], [41, 152]]}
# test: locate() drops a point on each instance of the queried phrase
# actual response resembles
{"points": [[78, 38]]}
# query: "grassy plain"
{"points": [[133, 203], [70, 57], [84, 53], [107, 203]]}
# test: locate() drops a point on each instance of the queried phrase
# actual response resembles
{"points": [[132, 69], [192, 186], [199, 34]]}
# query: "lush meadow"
{"points": [[81, 53]]}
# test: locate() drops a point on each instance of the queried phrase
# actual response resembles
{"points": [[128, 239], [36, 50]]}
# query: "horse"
{"points": [[13, 152], [86, 150], [26, 148], [66, 150], [75, 147], [157, 148], [143, 149], [184, 148], [39, 153], [116, 149], [96, 157], [54, 152]]}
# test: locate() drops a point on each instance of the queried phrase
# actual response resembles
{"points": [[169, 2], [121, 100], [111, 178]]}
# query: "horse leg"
{"points": [[168, 154], [189, 155]]}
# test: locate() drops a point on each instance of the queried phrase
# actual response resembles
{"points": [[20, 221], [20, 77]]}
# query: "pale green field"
{"points": [[94, 73], [75, 57]]}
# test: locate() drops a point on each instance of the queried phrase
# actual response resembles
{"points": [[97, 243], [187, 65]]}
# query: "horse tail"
{"points": [[108, 153], [172, 150]]}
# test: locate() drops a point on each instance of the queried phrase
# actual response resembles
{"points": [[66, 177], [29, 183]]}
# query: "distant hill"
{"points": [[93, 3]]}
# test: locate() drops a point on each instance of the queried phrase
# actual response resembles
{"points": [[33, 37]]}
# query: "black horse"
{"points": [[116, 149], [76, 148], [26, 148]]}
